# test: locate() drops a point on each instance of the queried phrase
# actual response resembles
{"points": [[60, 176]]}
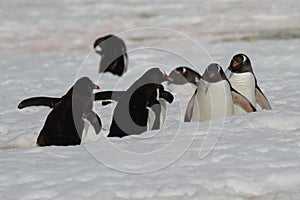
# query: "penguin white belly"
{"points": [[244, 83], [162, 116], [187, 88], [213, 100]]}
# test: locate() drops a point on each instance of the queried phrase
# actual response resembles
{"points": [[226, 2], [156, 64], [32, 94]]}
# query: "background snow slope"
{"points": [[45, 46]]}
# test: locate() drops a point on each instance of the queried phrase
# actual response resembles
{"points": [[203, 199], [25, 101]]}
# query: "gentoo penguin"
{"points": [[214, 97], [242, 78], [113, 54], [64, 124], [185, 80], [157, 109], [130, 116]]}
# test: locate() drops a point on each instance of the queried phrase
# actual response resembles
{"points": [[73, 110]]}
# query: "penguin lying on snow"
{"points": [[130, 116], [215, 97], [185, 80], [242, 78], [64, 124], [113, 54]]}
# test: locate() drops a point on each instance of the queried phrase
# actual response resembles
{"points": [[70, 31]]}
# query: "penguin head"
{"points": [[84, 85], [100, 43], [183, 75], [240, 63], [109, 44], [156, 75], [214, 73]]}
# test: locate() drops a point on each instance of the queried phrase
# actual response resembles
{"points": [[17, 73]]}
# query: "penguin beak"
{"points": [[96, 87], [170, 79], [235, 63]]}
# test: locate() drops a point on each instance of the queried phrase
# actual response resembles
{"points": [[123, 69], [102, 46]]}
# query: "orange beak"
{"points": [[236, 63], [170, 79], [96, 87]]}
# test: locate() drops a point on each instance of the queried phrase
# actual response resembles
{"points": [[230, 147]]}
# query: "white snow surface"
{"points": [[47, 45]]}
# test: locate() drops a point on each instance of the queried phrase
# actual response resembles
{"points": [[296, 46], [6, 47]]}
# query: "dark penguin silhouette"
{"points": [[131, 112], [113, 54], [64, 124], [241, 76]]}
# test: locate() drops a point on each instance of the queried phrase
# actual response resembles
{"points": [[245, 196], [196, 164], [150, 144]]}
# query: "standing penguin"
{"points": [[130, 116], [185, 80], [214, 97], [64, 124], [242, 78], [113, 54]]}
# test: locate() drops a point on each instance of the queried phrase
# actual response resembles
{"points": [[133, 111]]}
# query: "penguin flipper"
{"points": [[189, 108], [261, 99], [95, 120], [108, 95], [242, 101], [39, 101], [166, 96]]}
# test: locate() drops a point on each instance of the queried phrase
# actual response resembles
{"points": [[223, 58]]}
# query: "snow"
{"points": [[46, 46]]}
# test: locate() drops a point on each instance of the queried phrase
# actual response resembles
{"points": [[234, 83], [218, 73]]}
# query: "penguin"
{"points": [[215, 97], [130, 115], [64, 124], [185, 80], [113, 54], [157, 109], [241, 76]]}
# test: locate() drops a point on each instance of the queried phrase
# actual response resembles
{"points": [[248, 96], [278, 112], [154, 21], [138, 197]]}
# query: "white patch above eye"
{"points": [[98, 49], [183, 70], [244, 58]]}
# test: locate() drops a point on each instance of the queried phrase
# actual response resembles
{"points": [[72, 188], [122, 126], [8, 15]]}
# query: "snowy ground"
{"points": [[45, 46]]}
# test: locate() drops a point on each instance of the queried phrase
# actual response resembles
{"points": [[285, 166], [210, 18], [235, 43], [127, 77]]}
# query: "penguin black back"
{"points": [[131, 113], [64, 124]]}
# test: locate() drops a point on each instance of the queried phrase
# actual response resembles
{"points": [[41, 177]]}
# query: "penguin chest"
{"points": [[156, 120], [244, 83], [213, 100]]}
